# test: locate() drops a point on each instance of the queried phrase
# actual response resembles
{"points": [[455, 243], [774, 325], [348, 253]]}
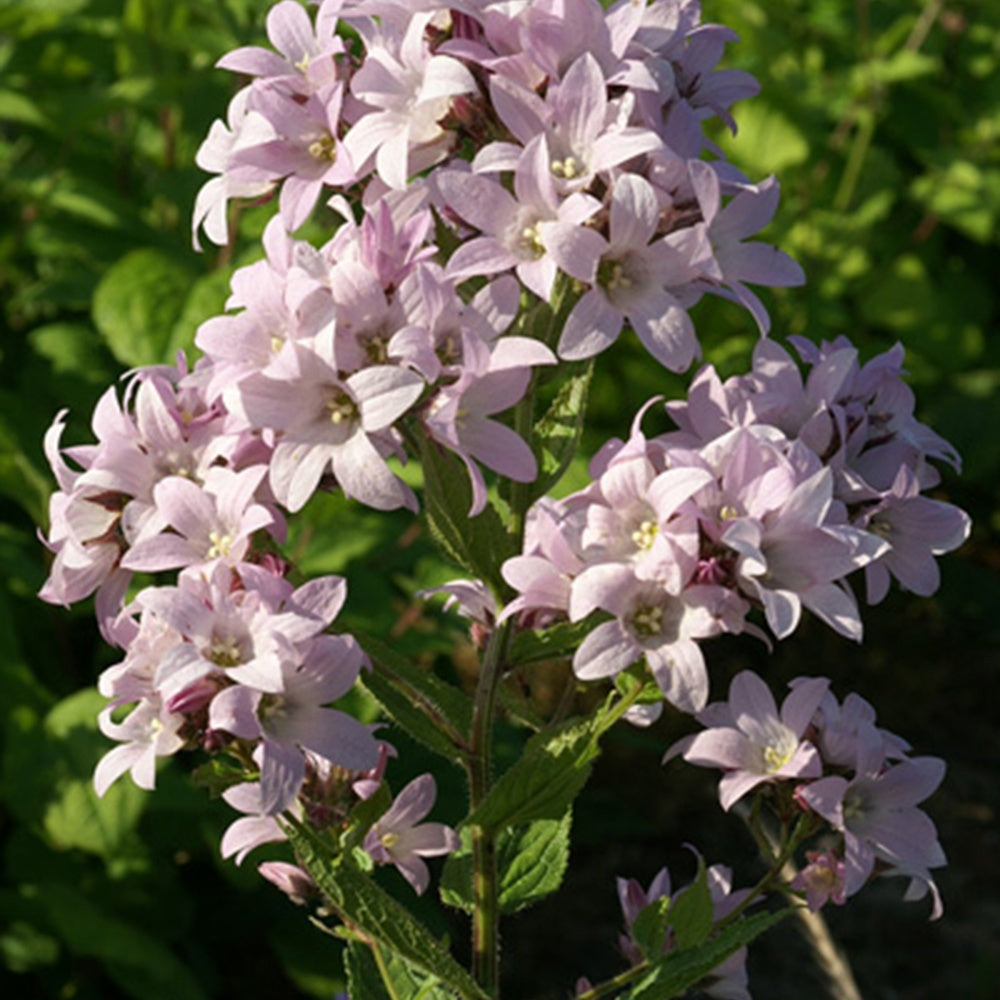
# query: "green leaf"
{"points": [[556, 437], [531, 863], [395, 980], [550, 773], [551, 643], [142, 965], [479, 544], [768, 141], [363, 816], [373, 913], [137, 304], [434, 713], [691, 915], [678, 971], [650, 927]]}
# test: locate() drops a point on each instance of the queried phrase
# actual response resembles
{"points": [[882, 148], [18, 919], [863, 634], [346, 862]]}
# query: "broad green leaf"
{"points": [[556, 437], [15, 107], [141, 964], [20, 478], [137, 304], [25, 948], [479, 544], [691, 913], [75, 816], [550, 773], [373, 913], [73, 349], [531, 864], [674, 974], [434, 713], [207, 298], [650, 927], [365, 977], [768, 142]]}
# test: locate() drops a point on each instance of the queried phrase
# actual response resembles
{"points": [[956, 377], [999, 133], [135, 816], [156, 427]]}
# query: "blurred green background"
{"points": [[882, 122]]}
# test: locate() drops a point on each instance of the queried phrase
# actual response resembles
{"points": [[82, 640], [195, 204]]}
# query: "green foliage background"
{"points": [[882, 121]]}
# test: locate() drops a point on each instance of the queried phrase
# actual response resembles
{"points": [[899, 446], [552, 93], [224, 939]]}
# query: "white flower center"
{"points": [[220, 547]]}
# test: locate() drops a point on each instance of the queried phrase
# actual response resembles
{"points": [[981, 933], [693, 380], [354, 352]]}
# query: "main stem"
{"points": [[485, 915]]}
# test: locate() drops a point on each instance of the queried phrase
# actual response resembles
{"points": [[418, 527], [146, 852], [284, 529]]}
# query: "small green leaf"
{"points": [[550, 773], [675, 973], [531, 864], [388, 977], [650, 927], [372, 912], [479, 544], [137, 304], [691, 913], [556, 437], [434, 713], [218, 774]]}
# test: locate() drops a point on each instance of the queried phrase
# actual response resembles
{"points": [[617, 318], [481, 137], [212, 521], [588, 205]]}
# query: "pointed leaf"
{"points": [[373, 913], [479, 544], [434, 713], [691, 914], [674, 974], [556, 437]]}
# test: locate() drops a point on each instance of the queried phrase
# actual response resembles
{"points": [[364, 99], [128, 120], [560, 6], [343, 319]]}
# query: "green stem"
{"points": [[485, 913]]}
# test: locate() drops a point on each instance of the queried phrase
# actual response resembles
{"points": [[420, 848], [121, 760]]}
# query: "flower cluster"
{"points": [[844, 770], [770, 493]]}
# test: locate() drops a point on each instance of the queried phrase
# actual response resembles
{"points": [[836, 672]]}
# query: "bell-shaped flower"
{"points": [[399, 838]]}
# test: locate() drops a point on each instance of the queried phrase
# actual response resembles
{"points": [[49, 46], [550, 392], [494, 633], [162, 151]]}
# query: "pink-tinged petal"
{"points": [[801, 704], [613, 148], [338, 737], [485, 255], [282, 772], [606, 651], [248, 832], [706, 188], [763, 264], [582, 101], [163, 552], [363, 475], [665, 330], [910, 782], [114, 764], [290, 31], [393, 158], [368, 134], [499, 448], [671, 488], [538, 276], [592, 326], [297, 199], [752, 705], [321, 598], [826, 797], [251, 60], [635, 212], [478, 200], [748, 213], [234, 710], [837, 607], [415, 872], [185, 505], [412, 804], [679, 671], [575, 249], [606, 585], [722, 748], [445, 77], [385, 394], [296, 470], [521, 110], [783, 609], [429, 840], [734, 785]]}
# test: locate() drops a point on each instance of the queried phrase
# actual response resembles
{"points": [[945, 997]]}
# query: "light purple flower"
{"points": [[760, 745], [399, 838]]}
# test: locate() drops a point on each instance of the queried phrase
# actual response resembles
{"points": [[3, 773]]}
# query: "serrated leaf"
{"points": [[372, 912], [479, 544], [550, 773], [678, 971], [551, 643], [137, 304], [691, 915], [556, 437], [365, 978], [649, 930], [434, 713], [531, 864]]}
